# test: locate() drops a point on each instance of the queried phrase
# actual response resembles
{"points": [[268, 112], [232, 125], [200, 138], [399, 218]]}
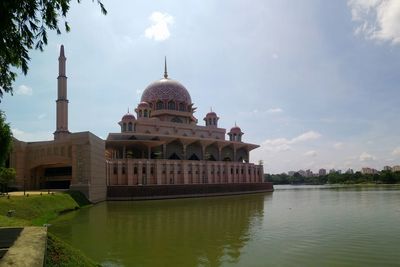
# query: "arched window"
{"points": [[214, 121], [130, 126], [140, 113], [209, 121], [124, 127], [181, 107], [171, 105], [160, 105], [145, 113]]}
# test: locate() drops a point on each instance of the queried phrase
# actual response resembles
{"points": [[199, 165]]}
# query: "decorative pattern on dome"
{"points": [[165, 90], [235, 130], [128, 116]]}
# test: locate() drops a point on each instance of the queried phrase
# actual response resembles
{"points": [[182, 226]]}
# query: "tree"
{"points": [[7, 175], [5, 139], [23, 26]]}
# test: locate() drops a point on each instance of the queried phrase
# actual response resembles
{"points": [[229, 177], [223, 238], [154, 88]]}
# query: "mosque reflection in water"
{"points": [[185, 232]]}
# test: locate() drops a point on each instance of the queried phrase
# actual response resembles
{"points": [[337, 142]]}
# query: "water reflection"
{"points": [[185, 232]]}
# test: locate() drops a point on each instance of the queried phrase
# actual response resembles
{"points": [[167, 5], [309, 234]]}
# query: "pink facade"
{"points": [[164, 145]]}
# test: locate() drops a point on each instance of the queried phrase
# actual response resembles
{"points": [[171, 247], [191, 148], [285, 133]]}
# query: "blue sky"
{"points": [[315, 82]]}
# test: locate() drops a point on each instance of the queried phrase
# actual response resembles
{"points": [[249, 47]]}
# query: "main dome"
{"points": [[166, 90]]}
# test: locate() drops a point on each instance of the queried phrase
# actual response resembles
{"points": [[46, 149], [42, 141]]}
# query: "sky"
{"points": [[314, 82]]}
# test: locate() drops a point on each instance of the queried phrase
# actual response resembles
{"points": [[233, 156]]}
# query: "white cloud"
{"points": [[396, 151], [338, 145], [275, 56], [283, 144], [311, 153], [31, 136], [158, 29], [367, 157], [377, 19], [310, 135], [274, 110], [24, 90]]}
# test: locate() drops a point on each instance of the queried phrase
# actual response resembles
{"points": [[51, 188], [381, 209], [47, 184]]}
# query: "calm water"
{"points": [[293, 226]]}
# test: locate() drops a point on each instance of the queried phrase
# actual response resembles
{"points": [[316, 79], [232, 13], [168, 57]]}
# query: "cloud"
{"points": [[158, 29], [24, 90], [283, 144], [396, 151], [338, 145], [31, 136], [274, 110], [275, 56], [377, 19], [311, 153], [367, 157], [310, 135]]}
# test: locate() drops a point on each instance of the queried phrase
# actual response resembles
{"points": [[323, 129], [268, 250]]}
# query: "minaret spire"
{"points": [[165, 68], [62, 101]]}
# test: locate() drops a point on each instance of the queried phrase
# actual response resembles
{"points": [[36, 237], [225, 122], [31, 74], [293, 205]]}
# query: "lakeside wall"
{"points": [[181, 191]]}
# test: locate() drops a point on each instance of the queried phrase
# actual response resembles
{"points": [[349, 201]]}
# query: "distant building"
{"points": [[387, 168], [396, 168], [332, 171], [309, 173], [367, 170], [349, 171], [291, 173], [322, 172], [302, 173]]}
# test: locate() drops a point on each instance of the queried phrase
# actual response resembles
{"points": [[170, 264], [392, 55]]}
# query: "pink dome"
{"points": [[235, 130], [211, 114], [128, 116], [144, 105], [165, 90]]}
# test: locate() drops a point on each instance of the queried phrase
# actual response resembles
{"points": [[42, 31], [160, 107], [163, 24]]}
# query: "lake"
{"points": [[293, 226]]}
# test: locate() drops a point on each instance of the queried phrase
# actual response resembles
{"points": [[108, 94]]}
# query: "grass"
{"points": [[60, 254], [41, 209], [34, 210]]}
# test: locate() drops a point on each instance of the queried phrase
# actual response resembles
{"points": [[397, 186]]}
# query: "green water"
{"points": [[293, 226]]}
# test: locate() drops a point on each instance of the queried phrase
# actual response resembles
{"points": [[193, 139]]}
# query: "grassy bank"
{"points": [[41, 209], [34, 210], [60, 254]]}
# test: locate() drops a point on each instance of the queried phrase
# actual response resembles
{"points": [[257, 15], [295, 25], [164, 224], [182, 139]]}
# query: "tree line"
{"points": [[383, 177]]}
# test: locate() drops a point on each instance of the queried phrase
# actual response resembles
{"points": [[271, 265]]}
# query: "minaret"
{"points": [[165, 68], [62, 101]]}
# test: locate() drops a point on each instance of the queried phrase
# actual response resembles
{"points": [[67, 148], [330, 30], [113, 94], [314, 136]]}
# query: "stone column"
{"points": [[185, 172], [119, 173], [167, 174], [158, 171], [148, 172], [140, 172], [129, 168]]}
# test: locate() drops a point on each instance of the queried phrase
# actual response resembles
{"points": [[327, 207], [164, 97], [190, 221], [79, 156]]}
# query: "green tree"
{"points": [[23, 26], [5, 139], [7, 175]]}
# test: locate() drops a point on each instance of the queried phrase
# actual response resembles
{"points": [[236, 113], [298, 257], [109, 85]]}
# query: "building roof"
{"points": [[166, 90]]}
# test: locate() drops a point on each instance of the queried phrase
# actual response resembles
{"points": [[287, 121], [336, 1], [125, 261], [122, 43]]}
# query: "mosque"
{"points": [[161, 152]]}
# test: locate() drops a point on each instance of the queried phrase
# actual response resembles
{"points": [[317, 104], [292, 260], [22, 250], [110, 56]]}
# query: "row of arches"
{"points": [[177, 151]]}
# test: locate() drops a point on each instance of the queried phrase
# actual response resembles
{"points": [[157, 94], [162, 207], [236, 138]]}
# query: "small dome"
{"points": [[143, 105], [235, 130], [166, 90], [128, 116], [211, 114]]}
